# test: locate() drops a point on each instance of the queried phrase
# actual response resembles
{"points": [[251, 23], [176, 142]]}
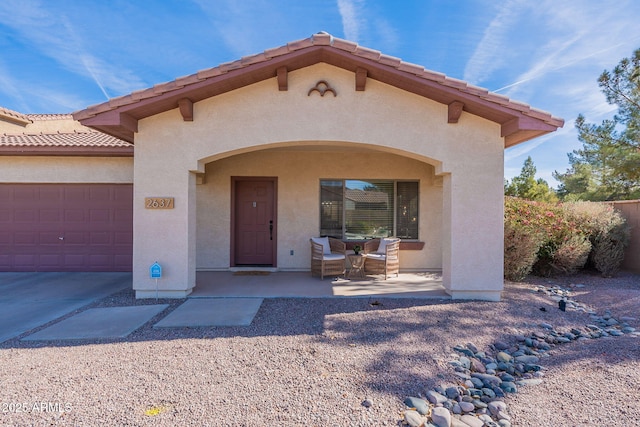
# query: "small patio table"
{"points": [[357, 266]]}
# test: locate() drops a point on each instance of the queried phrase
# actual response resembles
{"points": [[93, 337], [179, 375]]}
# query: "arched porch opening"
{"points": [[298, 169]]}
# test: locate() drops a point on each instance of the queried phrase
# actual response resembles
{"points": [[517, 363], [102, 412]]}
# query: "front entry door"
{"points": [[254, 222]]}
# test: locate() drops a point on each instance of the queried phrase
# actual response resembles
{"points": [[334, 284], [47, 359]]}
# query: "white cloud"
{"points": [[10, 87], [351, 14], [489, 54], [52, 34]]}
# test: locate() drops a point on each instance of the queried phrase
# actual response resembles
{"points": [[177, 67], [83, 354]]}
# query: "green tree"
{"points": [[526, 186], [608, 165]]}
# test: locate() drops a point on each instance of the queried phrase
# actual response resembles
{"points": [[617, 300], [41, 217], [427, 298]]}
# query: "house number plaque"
{"points": [[158, 202]]}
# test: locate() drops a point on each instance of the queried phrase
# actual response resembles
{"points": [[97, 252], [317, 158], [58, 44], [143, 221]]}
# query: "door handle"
{"points": [[271, 230]]}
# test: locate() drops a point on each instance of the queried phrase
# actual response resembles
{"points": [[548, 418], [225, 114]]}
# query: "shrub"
{"points": [[522, 240], [608, 232], [520, 251], [548, 239], [572, 254]]}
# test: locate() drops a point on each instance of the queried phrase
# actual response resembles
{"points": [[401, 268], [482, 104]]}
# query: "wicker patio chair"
{"points": [[382, 256], [328, 256]]}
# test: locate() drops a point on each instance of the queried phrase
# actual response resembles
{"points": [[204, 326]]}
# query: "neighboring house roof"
{"points": [[63, 142], [364, 196], [119, 116], [14, 117]]}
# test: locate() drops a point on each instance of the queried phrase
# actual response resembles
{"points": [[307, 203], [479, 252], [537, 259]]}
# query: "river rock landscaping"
{"points": [[485, 378]]}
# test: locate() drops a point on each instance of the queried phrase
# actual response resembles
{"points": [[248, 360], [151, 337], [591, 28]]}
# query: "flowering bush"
{"points": [[548, 238]]}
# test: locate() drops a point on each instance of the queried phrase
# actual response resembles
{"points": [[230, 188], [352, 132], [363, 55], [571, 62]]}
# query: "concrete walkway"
{"points": [[103, 323], [303, 285], [29, 300]]}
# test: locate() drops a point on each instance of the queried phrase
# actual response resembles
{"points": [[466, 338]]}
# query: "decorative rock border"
{"points": [[485, 378]]}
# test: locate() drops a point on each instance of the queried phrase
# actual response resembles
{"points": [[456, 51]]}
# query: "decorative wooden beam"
{"points": [[129, 122], [186, 109], [201, 178], [510, 127], [361, 79], [455, 110], [283, 83]]}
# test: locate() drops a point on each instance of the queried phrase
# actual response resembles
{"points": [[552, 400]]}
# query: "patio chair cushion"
{"points": [[377, 256], [332, 257], [324, 241], [383, 244]]}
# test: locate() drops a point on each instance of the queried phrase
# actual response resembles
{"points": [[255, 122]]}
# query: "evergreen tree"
{"points": [[526, 186], [608, 165]]}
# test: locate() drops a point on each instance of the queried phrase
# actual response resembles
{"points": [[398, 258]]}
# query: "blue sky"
{"points": [[58, 56]]}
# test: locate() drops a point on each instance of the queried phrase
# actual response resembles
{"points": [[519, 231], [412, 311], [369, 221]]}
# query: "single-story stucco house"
{"points": [[239, 165]]}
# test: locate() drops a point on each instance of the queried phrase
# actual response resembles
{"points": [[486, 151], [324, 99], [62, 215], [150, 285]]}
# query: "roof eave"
{"points": [[67, 151], [119, 116]]}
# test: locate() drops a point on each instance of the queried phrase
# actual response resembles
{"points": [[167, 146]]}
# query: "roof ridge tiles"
{"points": [[322, 38], [345, 45]]}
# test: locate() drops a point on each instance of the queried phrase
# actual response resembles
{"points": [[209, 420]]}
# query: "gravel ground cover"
{"points": [[313, 362]]}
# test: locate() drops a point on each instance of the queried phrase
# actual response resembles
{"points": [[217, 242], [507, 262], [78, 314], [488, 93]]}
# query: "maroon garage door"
{"points": [[66, 227]]}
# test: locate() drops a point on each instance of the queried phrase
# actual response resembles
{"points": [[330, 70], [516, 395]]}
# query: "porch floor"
{"points": [[303, 285]]}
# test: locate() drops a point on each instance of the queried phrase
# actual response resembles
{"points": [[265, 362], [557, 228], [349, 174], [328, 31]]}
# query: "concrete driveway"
{"points": [[29, 300]]}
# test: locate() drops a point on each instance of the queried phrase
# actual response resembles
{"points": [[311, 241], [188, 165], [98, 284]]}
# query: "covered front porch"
{"points": [[288, 284]]}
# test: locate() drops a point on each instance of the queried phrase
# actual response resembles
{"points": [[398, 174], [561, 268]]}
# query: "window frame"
{"points": [[394, 209]]}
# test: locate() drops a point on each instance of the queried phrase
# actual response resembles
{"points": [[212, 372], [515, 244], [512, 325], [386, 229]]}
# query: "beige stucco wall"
{"points": [[60, 169], [467, 155], [298, 202]]}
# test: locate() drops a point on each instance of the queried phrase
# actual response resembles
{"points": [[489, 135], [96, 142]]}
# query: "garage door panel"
{"points": [[50, 193], [5, 262], [75, 238], [100, 238], [25, 216], [25, 262], [25, 238], [100, 259], [123, 238], [99, 215], [122, 215], [74, 193], [50, 215], [24, 193], [74, 215], [6, 215], [50, 260], [51, 238], [95, 221], [100, 193]]}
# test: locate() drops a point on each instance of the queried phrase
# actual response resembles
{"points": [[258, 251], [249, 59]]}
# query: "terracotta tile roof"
{"points": [[75, 139], [14, 116], [41, 117], [480, 101], [56, 135], [89, 143], [362, 196]]}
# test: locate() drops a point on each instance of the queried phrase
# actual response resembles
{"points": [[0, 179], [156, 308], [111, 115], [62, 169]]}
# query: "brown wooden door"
{"points": [[255, 228]]}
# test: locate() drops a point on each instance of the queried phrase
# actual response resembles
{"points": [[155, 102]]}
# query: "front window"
{"points": [[367, 209]]}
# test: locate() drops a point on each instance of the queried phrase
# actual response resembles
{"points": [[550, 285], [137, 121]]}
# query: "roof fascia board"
{"points": [[410, 77], [68, 151]]}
